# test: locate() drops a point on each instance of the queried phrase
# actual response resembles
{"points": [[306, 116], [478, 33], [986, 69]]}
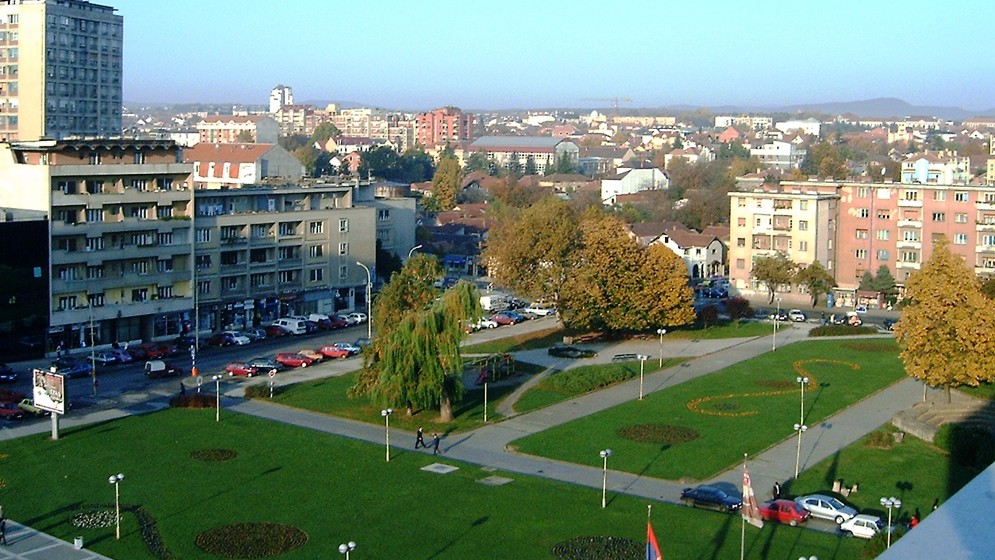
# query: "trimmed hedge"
{"points": [[841, 330], [586, 379]]}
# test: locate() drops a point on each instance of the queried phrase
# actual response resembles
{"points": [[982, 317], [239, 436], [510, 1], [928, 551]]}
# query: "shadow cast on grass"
{"points": [[476, 523]]}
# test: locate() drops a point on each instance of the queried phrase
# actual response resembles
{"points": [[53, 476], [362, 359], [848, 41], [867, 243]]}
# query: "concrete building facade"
{"points": [[233, 129], [444, 126], [538, 152], [226, 166], [279, 97]]}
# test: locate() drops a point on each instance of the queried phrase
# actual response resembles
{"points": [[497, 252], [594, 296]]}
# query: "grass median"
{"points": [[744, 408]]}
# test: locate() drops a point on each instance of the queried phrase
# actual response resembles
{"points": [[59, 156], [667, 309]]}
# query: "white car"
{"points": [[863, 526], [356, 317], [826, 507], [539, 310], [797, 316], [486, 323], [105, 358], [237, 338]]}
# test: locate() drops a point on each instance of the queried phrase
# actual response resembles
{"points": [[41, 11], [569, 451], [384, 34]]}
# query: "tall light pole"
{"points": [[115, 480], [661, 332], [93, 349], [800, 428], [413, 249], [642, 368], [386, 425], [347, 548], [890, 503], [217, 403], [777, 315], [605, 454], [803, 381], [369, 300]]}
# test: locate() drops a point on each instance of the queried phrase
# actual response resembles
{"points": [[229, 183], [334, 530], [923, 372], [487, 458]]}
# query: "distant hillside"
{"points": [[889, 107]]}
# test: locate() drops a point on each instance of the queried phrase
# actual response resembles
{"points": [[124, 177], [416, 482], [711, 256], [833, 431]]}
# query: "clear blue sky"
{"points": [[415, 54]]}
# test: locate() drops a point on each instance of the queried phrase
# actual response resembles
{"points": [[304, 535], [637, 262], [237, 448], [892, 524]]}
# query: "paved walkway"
{"points": [[25, 543]]}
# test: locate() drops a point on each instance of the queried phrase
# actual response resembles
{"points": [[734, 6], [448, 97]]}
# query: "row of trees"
{"points": [[599, 276]]}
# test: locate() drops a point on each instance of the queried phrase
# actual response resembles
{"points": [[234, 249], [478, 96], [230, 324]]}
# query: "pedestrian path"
{"points": [[25, 543]]}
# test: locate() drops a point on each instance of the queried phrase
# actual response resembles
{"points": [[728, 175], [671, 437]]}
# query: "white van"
{"points": [[292, 326]]}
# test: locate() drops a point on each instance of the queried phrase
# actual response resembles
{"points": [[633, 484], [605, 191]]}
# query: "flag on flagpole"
{"points": [[751, 512], [652, 548]]}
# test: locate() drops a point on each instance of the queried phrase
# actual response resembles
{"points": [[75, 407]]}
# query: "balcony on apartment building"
{"points": [[82, 314], [909, 203], [985, 204]]}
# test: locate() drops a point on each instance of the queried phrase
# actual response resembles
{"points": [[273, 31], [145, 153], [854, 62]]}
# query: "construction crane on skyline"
{"points": [[613, 100]]}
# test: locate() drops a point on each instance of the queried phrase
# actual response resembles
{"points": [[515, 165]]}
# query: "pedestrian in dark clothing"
{"points": [[420, 438], [183, 390], [936, 504], [3, 531], [435, 444], [777, 490]]}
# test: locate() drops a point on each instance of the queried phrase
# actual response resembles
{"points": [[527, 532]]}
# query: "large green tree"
{"points": [[947, 331], [323, 132], [773, 272], [816, 279], [446, 182]]}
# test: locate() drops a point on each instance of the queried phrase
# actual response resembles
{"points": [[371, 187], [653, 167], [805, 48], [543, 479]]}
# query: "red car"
{"points": [[9, 395], [291, 359], [332, 351], [10, 411], [241, 368], [274, 331], [784, 511]]}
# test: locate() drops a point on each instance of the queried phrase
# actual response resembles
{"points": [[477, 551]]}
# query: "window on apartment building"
{"points": [[315, 251], [229, 283], [94, 244], [96, 300], [260, 230], [316, 275], [939, 196], [911, 235], [741, 202], [741, 222], [988, 240], [960, 218], [960, 239], [861, 234], [883, 194], [860, 253], [960, 197], [286, 276], [94, 272], [139, 184], [140, 294], [343, 248], [910, 256], [167, 184], [863, 192], [939, 216], [164, 212], [988, 263], [203, 235], [803, 205], [288, 228], [883, 234], [138, 157], [67, 302], [67, 187], [316, 227], [741, 242], [202, 261], [204, 287], [94, 215], [383, 215], [164, 265], [343, 271], [883, 254], [140, 212], [884, 214], [802, 225], [140, 267], [864, 213], [989, 198], [343, 225], [164, 292], [258, 280], [740, 264], [803, 246], [911, 195]]}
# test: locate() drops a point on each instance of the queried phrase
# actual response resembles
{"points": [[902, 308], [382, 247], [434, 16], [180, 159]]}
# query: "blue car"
{"points": [[72, 367], [707, 496]]}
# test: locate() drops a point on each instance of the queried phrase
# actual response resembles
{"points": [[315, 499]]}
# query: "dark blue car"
{"points": [[710, 497]]}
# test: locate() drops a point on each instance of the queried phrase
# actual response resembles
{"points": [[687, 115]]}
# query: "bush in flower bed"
{"points": [[659, 433], [251, 540], [841, 330], [193, 400], [93, 519], [584, 379], [213, 455], [260, 391], [598, 548]]}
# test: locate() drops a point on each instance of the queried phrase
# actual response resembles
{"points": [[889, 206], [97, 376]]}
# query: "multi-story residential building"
{"points": [[811, 127], [300, 119], [226, 166], [535, 153], [262, 253], [990, 174], [279, 97], [60, 71], [936, 169], [779, 154], [120, 229], [753, 123], [233, 129], [444, 126]]}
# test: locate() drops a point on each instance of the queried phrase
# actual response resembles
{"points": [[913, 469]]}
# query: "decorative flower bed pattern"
{"points": [[251, 540], [213, 455], [93, 519], [722, 409], [659, 433], [600, 548]]}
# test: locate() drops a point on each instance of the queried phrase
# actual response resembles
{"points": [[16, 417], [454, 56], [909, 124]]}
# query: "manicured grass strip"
{"points": [[752, 406], [725, 329], [524, 341], [339, 490]]}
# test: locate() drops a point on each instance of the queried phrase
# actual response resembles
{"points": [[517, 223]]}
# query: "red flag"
{"points": [[652, 548], [751, 512]]}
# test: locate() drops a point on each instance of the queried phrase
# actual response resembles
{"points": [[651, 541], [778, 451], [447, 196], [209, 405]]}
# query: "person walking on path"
{"points": [[3, 531], [776, 491], [420, 438], [435, 444]]}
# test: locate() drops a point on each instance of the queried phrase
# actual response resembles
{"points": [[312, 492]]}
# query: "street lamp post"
{"points": [[386, 424], [413, 249], [347, 548], [661, 332], [642, 367], [803, 381], [116, 479], [890, 503], [605, 454], [369, 300], [777, 315], [93, 349], [800, 428], [217, 399]]}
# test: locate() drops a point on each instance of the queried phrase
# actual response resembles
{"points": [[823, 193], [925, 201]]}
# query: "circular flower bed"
{"points": [[251, 540], [193, 400], [94, 519], [598, 548], [658, 433], [213, 455]]}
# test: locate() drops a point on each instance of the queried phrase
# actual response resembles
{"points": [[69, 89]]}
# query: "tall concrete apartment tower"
{"points": [[60, 69], [280, 97]]}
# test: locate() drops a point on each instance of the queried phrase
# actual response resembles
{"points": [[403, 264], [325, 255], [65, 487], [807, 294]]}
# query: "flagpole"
{"points": [[649, 510], [742, 532]]}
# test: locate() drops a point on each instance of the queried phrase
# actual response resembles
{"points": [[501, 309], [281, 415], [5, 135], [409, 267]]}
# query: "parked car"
{"points": [[291, 359], [826, 507], [10, 411], [255, 334], [486, 323], [28, 406], [184, 342], [711, 497], [797, 316], [863, 526], [72, 367], [220, 340], [159, 368], [781, 315], [315, 355], [138, 352], [560, 351], [237, 338], [837, 319], [348, 347], [105, 358], [333, 351], [8, 395], [264, 364], [7, 374], [240, 369], [275, 331], [123, 357], [507, 318], [539, 310], [889, 324], [357, 317], [784, 511], [853, 319], [338, 322], [363, 342], [349, 321]]}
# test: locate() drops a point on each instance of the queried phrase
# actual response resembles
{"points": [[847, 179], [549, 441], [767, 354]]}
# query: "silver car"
{"points": [[826, 507]]}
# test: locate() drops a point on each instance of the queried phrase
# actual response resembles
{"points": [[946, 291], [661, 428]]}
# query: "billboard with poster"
{"points": [[49, 391]]}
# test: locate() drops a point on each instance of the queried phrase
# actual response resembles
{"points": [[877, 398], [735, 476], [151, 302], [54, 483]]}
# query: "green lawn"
{"points": [[337, 490], [524, 341], [755, 405]]}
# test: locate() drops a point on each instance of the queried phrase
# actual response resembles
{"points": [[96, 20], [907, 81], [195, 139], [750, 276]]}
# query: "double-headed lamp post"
{"points": [[661, 332], [346, 548], [369, 300], [116, 480], [605, 454], [386, 425], [803, 381], [890, 503], [642, 368], [800, 428], [217, 398]]}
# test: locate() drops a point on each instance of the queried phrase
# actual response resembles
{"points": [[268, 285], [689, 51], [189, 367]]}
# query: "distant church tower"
{"points": [[280, 97]]}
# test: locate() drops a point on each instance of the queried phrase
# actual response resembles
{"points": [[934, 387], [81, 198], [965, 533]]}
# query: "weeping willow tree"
{"points": [[416, 362]]}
